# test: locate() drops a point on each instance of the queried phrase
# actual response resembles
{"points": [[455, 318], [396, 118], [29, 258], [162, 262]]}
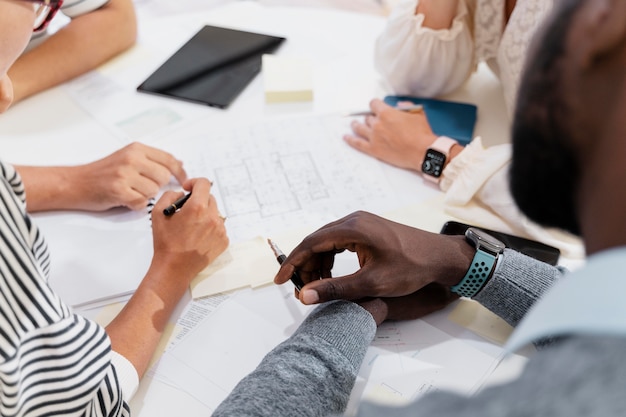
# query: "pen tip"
{"points": [[275, 249]]}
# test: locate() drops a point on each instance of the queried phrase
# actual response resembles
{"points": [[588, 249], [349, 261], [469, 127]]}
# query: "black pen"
{"points": [[280, 257], [171, 209]]}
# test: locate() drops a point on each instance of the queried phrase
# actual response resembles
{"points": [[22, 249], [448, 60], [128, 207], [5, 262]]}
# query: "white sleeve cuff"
{"points": [[126, 374], [465, 175], [75, 8]]}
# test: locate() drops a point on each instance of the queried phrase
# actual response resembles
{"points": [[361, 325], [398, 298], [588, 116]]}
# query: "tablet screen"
{"points": [[213, 67]]}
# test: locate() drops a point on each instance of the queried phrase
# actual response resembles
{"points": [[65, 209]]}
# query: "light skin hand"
{"points": [[395, 260], [128, 177], [192, 237], [184, 244], [393, 136]]}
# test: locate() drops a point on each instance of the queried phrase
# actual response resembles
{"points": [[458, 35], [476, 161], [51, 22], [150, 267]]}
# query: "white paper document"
{"points": [[281, 174], [230, 343], [96, 258], [271, 178], [405, 361]]}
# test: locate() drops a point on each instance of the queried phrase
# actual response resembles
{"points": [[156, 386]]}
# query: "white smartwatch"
{"points": [[436, 157]]}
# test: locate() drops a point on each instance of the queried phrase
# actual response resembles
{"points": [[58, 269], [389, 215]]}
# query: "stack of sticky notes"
{"points": [[287, 79]]}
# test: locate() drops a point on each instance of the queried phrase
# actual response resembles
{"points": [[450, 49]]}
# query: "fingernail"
{"points": [[310, 297]]}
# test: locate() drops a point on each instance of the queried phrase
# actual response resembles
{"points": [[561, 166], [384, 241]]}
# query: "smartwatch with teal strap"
{"points": [[488, 249]]}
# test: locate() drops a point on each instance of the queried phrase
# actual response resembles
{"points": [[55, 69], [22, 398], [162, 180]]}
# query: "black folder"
{"points": [[213, 67]]}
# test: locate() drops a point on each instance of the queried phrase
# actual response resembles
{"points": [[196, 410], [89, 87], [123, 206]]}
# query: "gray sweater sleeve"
{"points": [[312, 372], [516, 284]]}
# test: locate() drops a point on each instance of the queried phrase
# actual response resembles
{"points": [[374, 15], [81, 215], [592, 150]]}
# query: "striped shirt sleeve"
{"points": [[74, 8], [52, 362]]}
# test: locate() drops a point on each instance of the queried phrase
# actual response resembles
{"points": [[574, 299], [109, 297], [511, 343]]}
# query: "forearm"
{"points": [[313, 372], [82, 45], [51, 188], [438, 14], [136, 330]]}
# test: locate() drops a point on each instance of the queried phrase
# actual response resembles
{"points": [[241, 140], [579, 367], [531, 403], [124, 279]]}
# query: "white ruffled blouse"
{"points": [[419, 61]]}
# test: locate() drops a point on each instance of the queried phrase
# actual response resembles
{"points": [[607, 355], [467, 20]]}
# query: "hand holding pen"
{"points": [[280, 257], [176, 205], [186, 241], [179, 203], [399, 138]]}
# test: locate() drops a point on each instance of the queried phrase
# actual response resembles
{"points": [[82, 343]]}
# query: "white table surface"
{"points": [[55, 128]]}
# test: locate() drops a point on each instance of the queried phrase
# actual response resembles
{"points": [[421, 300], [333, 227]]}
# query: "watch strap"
{"points": [[477, 275], [443, 144]]}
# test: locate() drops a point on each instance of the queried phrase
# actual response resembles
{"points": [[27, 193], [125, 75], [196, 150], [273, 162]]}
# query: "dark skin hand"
{"points": [[410, 270], [427, 300]]}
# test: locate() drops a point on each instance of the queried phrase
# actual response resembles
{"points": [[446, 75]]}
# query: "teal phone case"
{"points": [[453, 119]]}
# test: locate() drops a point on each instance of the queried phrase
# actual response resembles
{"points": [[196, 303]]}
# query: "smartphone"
{"points": [[540, 251]]}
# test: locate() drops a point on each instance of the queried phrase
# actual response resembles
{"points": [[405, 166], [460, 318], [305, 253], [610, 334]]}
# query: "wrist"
{"points": [[458, 261], [168, 280], [377, 308], [73, 188], [425, 142], [455, 150], [50, 188], [487, 253]]}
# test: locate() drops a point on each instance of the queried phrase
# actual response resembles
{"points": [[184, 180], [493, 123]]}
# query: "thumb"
{"points": [[348, 287]]}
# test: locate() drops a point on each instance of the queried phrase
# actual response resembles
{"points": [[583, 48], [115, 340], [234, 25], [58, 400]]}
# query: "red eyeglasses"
{"points": [[44, 12]]}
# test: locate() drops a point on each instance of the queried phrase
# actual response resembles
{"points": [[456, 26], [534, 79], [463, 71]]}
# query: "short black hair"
{"points": [[541, 134]]}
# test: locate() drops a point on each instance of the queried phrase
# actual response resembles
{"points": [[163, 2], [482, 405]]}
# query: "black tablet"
{"points": [[213, 67]]}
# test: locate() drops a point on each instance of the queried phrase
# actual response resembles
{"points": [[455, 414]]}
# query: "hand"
{"points": [[427, 300], [184, 244], [128, 177], [395, 259], [190, 239], [393, 136]]}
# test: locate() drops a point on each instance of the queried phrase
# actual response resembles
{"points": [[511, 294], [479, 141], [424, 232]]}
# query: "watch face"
{"points": [[433, 163]]}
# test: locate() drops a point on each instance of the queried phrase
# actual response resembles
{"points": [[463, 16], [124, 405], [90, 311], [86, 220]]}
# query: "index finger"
{"points": [[378, 105], [200, 189], [331, 239], [168, 160]]}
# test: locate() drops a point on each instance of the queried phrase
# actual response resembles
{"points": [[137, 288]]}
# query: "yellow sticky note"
{"points": [[248, 264], [481, 321], [287, 79], [241, 265]]}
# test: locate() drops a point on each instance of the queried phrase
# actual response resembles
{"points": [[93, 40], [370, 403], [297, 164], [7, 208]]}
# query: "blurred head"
{"points": [[570, 115]]}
